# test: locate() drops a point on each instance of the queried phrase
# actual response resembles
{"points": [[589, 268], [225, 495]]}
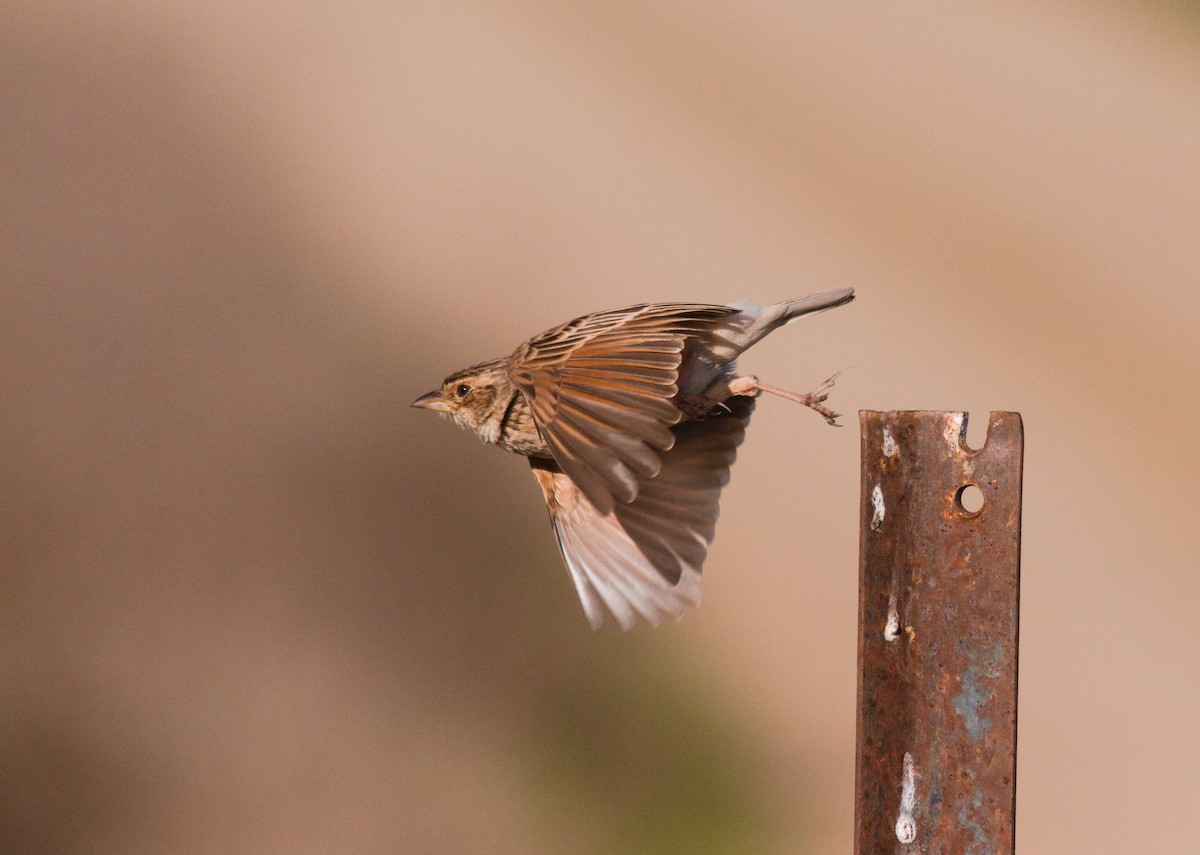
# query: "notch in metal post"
{"points": [[938, 611]]}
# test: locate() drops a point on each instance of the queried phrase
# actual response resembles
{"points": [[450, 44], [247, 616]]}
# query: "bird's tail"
{"points": [[814, 303], [756, 321], [740, 331]]}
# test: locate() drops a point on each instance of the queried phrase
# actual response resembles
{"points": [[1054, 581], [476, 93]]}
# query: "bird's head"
{"points": [[475, 398]]}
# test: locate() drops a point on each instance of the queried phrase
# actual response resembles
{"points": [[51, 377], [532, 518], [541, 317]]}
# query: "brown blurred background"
{"points": [[251, 602]]}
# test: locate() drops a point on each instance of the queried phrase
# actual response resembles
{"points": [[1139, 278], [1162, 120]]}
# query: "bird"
{"points": [[630, 420]]}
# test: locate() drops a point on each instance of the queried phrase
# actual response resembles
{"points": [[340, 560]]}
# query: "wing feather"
{"points": [[601, 390], [643, 559]]}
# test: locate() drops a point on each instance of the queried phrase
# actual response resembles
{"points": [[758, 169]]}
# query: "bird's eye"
{"points": [[462, 390]]}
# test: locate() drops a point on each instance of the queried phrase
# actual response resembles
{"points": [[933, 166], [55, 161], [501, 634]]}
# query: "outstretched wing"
{"points": [[601, 389], [644, 558]]}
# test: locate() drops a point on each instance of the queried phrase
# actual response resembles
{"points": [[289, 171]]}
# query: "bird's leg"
{"points": [[814, 400]]}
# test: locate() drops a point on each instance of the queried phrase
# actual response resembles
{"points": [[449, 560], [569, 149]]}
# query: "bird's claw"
{"points": [[814, 400]]}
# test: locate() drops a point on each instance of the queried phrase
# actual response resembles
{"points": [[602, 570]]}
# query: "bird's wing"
{"points": [[644, 558], [601, 390]]}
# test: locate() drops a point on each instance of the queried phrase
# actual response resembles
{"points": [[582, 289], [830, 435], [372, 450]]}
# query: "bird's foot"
{"points": [[814, 400]]}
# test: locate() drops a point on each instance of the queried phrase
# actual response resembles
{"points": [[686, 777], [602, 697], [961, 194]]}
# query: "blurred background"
{"points": [[251, 602]]}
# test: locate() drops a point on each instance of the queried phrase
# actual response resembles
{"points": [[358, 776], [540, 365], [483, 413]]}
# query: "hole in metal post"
{"points": [[969, 500], [976, 433]]}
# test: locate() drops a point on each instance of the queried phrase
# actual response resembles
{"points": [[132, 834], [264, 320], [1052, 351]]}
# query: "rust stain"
{"points": [[936, 759]]}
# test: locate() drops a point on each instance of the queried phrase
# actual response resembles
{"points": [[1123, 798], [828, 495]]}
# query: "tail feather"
{"points": [[740, 331], [816, 303], [756, 321]]}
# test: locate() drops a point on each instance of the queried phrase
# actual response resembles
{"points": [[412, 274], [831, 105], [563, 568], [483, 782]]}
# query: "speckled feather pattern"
{"points": [[630, 424]]}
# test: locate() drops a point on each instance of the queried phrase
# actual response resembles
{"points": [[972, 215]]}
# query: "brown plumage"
{"points": [[630, 420]]}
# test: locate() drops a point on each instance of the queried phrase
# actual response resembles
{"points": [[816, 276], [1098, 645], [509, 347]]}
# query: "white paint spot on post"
{"points": [[891, 630], [955, 433], [889, 443], [906, 824], [878, 510]]}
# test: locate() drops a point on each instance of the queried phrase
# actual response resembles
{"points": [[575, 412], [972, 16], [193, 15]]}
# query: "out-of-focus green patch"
{"points": [[639, 753], [1189, 9]]}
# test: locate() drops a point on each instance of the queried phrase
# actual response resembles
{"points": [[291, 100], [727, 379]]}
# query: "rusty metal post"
{"points": [[937, 645]]}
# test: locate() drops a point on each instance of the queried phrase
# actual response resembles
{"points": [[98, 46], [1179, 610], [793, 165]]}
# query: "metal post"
{"points": [[937, 645]]}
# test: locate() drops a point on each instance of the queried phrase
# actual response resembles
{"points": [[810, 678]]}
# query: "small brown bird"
{"points": [[630, 420]]}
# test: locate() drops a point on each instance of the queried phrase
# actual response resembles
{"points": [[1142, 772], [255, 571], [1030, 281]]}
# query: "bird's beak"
{"points": [[432, 401]]}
